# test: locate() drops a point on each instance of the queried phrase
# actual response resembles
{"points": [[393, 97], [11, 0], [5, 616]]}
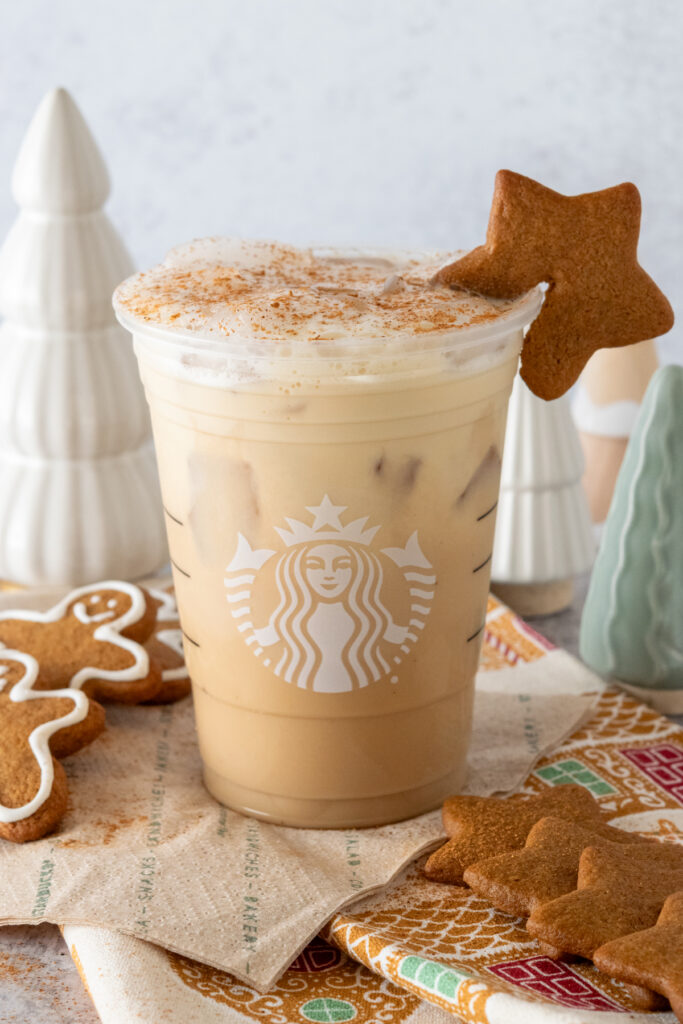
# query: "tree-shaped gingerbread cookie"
{"points": [[35, 729]]}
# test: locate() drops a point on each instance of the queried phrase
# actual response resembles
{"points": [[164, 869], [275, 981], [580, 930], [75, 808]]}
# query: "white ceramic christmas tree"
{"points": [[543, 535], [79, 495]]}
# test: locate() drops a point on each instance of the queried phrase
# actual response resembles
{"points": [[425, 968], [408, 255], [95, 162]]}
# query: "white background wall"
{"points": [[357, 120]]}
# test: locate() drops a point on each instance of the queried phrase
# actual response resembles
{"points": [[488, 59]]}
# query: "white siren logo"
{"points": [[330, 630]]}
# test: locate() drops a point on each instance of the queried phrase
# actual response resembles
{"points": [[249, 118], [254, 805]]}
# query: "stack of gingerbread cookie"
{"points": [[111, 641], [586, 888]]}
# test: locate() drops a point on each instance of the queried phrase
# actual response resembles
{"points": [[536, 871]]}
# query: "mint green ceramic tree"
{"points": [[632, 625]]}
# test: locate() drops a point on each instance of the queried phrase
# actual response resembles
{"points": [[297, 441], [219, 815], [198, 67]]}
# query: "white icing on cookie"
{"points": [[173, 638], [168, 609], [108, 632], [39, 740], [81, 613]]}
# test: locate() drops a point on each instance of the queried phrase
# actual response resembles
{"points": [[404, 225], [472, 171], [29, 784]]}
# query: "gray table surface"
{"points": [[39, 982]]}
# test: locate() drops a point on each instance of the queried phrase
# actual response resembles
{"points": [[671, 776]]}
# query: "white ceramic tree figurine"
{"points": [[543, 535], [79, 496]]}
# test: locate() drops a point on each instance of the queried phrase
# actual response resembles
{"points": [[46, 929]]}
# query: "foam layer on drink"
{"points": [[230, 301]]}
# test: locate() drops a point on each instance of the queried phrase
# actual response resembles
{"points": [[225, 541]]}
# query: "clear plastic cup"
{"points": [[330, 515]]}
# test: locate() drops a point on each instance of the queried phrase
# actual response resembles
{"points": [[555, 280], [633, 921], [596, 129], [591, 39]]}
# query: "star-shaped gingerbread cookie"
{"points": [[584, 248], [620, 889], [652, 957], [545, 868], [481, 827]]}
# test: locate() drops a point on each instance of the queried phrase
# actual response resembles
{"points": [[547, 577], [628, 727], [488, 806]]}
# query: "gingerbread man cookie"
{"points": [[91, 640], [165, 646], [35, 729], [585, 249]]}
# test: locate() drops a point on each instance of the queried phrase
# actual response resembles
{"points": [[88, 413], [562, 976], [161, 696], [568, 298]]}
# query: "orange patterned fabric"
{"points": [[323, 984]]}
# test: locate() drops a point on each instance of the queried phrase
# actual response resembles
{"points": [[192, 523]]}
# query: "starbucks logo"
{"points": [[334, 624]]}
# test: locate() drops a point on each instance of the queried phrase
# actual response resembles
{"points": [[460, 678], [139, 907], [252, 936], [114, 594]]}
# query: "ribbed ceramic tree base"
{"points": [[528, 599], [668, 702]]}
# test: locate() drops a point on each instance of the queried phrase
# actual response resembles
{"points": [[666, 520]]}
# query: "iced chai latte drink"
{"points": [[329, 430]]}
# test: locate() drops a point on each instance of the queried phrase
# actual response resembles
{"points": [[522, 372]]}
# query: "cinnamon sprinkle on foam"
{"points": [[265, 290]]}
